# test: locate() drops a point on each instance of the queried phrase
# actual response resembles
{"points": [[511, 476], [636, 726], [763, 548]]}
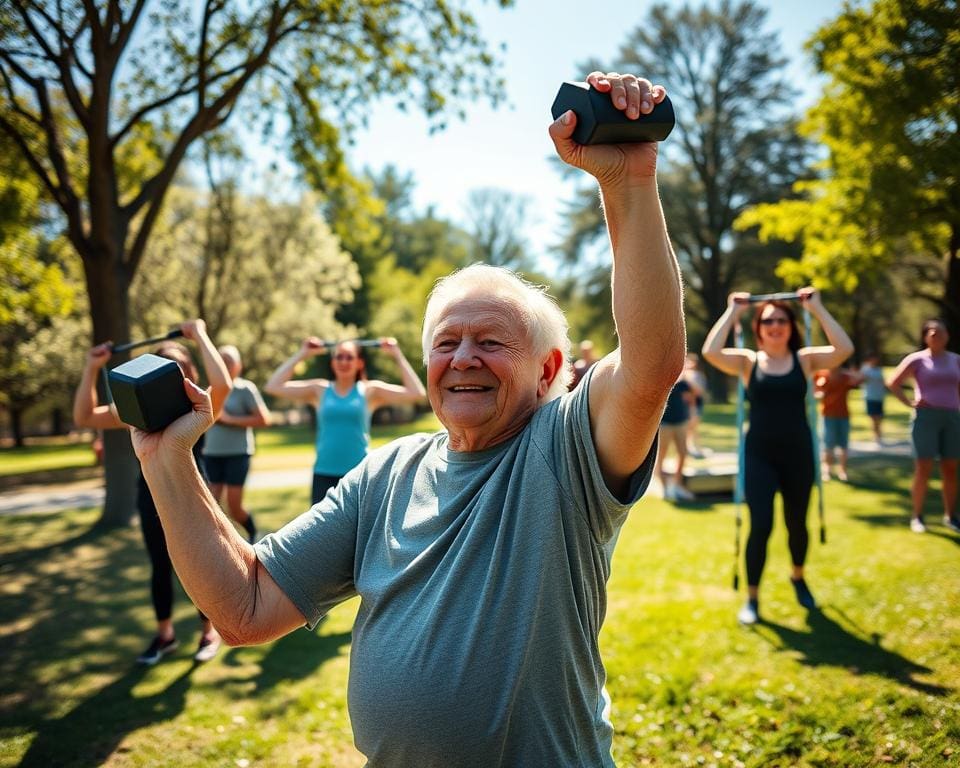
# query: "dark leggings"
{"points": [[766, 472], [161, 576], [322, 484]]}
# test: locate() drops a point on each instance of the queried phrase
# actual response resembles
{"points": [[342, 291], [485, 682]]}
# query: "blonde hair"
{"points": [[536, 310]]}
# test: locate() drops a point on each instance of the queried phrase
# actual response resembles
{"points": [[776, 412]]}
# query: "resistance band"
{"points": [[738, 486], [815, 433]]}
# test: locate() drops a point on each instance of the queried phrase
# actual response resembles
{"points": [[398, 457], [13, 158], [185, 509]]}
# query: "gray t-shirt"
{"points": [[227, 440], [482, 578]]}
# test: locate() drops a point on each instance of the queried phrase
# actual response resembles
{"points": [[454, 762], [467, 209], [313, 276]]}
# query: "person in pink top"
{"points": [[936, 420]]}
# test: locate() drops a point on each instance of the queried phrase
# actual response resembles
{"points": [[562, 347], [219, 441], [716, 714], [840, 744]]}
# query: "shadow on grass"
{"points": [[828, 643], [91, 731], [291, 658], [72, 616]]}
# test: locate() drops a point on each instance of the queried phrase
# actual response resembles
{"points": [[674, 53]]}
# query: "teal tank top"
{"points": [[343, 431]]}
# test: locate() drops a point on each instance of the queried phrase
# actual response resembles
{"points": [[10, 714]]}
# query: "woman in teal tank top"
{"points": [[344, 403]]}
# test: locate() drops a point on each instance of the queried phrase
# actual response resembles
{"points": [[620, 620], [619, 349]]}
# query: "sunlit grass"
{"points": [[870, 680]]}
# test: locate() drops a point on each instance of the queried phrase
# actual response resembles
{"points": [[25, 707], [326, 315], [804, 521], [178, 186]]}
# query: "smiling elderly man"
{"points": [[481, 553]]}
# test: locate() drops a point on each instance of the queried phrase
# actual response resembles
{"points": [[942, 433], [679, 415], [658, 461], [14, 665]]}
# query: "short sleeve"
{"points": [[578, 466], [312, 557]]}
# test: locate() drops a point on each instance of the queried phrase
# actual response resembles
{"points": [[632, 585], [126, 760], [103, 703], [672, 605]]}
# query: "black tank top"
{"points": [[778, 406]]}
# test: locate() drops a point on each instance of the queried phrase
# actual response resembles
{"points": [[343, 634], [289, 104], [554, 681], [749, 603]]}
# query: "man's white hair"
{"points": [[537, 312]]}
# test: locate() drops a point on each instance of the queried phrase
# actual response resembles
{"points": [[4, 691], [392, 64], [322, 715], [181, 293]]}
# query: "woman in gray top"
{"points": [[229, 444]]}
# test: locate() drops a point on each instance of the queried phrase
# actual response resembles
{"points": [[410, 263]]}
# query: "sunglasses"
{"points": [[774, 321], [343, 358]]}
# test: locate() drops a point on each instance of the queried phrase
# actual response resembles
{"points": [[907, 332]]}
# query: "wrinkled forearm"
{"points": [[216, 566]]}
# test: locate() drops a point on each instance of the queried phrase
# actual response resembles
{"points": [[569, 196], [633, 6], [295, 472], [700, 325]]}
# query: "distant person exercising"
{"points": [[832, 386], [583, 363], [229, 444], [778, 453], [935, 431], [344, 403], [874, 392], [87, 412]]}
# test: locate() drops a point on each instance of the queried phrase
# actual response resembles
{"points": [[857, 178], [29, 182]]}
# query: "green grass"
{"points": [[57, 460], [871, 680]]}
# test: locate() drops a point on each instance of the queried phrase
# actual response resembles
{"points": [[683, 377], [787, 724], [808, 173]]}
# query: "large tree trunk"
{"points": [[16, 426], [951, 288], [108, 288]]}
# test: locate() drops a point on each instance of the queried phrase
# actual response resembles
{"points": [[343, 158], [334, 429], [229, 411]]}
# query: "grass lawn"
{"points": [[870, 680]]}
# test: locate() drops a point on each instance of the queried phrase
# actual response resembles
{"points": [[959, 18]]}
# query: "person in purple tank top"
{"points": [[935, 430], [344, 403]]}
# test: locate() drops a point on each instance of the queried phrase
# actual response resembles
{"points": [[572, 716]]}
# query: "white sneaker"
{"points": [[917, 526], [209, 645], [748, 614], [680, 493], [670, 492]]}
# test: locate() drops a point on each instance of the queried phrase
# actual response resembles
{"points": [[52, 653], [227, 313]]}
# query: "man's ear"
{"points": [[548, 372]]}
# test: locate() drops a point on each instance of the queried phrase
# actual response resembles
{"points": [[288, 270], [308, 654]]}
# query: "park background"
{"points": [[312, 169]]}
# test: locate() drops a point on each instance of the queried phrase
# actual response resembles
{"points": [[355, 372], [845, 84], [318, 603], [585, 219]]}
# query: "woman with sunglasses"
{"points": [[778, 449], [344, 403], [935, 431]]}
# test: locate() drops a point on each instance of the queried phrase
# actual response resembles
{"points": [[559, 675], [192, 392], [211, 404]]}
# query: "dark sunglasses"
{"points": [[774, 321], [344, 358]]}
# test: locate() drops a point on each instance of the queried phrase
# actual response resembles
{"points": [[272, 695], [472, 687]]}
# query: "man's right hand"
{"points": [[179, 437]]}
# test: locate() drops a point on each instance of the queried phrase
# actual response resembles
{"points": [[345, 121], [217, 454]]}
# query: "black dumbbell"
{"points": [[599, 122], [148, 392]]}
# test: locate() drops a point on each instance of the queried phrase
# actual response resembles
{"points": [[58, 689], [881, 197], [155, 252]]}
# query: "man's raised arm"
{"points": [[217, 567], [630, 386]]}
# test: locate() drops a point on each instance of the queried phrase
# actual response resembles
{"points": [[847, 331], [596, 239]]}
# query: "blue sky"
{"points": [[509, 148]]}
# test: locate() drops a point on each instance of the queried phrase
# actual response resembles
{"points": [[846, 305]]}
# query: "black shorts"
{"points": [[227, 470]]}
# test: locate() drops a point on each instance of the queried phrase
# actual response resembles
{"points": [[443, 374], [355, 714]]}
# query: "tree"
{"points": [[263, 275], [497, 220], [104, 100], [735, 145], [37, 295], [889, 195]]}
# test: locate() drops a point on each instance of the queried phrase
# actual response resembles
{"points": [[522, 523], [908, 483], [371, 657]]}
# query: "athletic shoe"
{"points": [[157, 650], [750, 613], [842, 475], [682, 494], [209, 645], [952, 523], [803, 594], [670, 492], [251, 528], [917, 526]]}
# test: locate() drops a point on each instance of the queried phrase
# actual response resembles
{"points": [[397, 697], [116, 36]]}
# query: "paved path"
{"points": [[44, 500]]}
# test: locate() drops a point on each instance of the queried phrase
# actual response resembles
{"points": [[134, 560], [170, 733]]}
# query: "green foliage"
{"points": [[887, 197], [263, 275], [39, 298], [735, 145]]}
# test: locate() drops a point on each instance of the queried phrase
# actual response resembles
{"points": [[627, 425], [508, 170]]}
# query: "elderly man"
{"points": [[481, 553]]}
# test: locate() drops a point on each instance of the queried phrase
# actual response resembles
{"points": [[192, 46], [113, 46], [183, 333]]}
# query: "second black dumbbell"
{"points": [[148, 392], [599, 122]]}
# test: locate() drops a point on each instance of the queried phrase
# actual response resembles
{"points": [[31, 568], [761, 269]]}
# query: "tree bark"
{"points": [[108, 288], [951, 288], [16, 426]]}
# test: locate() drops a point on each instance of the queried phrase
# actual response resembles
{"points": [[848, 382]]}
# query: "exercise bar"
{"points": [[761, 297], [117, 348]]}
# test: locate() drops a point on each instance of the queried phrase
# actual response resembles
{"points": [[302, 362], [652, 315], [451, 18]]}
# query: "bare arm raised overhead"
{"points": [[630, 385]]}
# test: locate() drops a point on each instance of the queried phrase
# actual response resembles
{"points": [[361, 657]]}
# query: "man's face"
{"points": [[482, 377]]}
